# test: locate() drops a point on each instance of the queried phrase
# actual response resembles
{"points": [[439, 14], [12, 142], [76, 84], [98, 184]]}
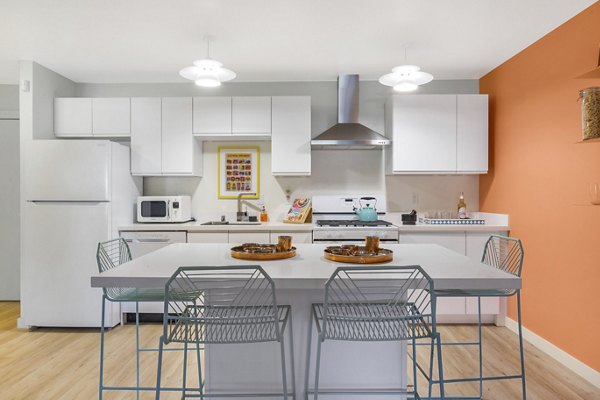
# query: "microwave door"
{"points": [[154, 209]]}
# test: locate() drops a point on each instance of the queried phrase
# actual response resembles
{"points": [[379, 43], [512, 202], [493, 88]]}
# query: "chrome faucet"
{"points": [[241, 216]]}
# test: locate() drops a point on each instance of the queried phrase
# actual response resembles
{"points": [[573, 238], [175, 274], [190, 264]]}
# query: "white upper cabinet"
{"points": [[72, 117], [146, 134], [436, 134], [212, 116], [181, 152], [472, 134], [85, 117], [424, 128], [161, 137], [111, 116], [291, 135], [251, 115]]}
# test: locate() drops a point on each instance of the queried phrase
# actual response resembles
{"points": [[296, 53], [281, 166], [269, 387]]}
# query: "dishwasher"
{"points": [[144, 242]]}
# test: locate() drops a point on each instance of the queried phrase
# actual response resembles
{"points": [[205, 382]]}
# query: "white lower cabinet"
{"points": [[297, 237], [208, 237], [249, 237]]}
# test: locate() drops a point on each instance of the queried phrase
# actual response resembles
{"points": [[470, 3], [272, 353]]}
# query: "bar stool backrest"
{"points": [[504, 253], [226, 304], [378, 303], [111, 254]]}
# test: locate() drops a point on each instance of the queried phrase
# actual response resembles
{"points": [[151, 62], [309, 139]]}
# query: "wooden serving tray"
{"points": [[260, 252], [357, 255]]}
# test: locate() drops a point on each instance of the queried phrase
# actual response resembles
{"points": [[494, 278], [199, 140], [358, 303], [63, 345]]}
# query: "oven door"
{"points": [[153, 210]]}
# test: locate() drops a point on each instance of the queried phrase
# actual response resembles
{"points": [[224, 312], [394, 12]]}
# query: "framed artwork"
{"points": [[239, 172]]}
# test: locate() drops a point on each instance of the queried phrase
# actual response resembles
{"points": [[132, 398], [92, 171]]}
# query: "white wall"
{"points": [[333, 171], [9, 193]]}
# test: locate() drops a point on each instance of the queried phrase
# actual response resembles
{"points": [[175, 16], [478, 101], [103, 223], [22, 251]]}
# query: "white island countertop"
{"points": [[308, 270]]}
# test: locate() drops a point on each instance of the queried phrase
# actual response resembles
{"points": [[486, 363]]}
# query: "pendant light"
{"points": [[406, 78], [207, 72]]}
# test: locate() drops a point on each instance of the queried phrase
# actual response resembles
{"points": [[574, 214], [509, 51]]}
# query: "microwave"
{"points": [[164, 209]]}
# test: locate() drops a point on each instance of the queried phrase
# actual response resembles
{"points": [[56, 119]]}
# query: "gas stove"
{"points": [[335, 221]]}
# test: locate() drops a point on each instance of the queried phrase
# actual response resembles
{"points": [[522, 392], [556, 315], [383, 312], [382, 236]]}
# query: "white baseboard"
{"points": [[581, 369]]}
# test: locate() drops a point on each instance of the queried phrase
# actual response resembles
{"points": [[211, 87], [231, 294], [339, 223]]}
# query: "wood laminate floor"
{"points": [[61, 364]]}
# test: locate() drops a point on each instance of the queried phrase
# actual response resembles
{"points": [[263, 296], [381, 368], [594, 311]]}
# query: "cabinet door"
{"points": [[177, 138], [290, 138], [251, 115], [212, 116], [146, 136], [248, 237], [207, 237], [72, 117], [451, 240], [472, 133], [424, 133], [297, 237], [111, 116]]}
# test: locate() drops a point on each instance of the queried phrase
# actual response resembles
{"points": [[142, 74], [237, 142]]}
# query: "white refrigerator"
{"points": [[77, 194]]}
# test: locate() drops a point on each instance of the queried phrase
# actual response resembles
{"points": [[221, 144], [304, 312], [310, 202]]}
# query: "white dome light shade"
{"points": [[207, 73], [406, 78]]}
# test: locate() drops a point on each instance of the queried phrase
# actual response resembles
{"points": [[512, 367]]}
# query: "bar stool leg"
{"points": [[137, 350], [480, 347], [283, 368], [185, 353], [317, 368], [440, 365], [159, 368], [521, 345], [291, 328], [199, 361], [431, 366], [308, 351], [414, 351], [100, 388]]}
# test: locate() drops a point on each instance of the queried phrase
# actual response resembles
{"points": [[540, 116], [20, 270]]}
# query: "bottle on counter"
{"points": [[264, 217], [462, 207]]}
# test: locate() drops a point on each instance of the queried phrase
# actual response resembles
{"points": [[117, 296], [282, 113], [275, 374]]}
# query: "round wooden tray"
{"points": [[260, 252], [359, 257]]}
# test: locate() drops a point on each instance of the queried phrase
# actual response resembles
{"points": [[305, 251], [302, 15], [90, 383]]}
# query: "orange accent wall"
{"points": [[540, 175]]}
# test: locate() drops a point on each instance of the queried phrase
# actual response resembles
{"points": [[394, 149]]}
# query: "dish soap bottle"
{"points": [[462, 207], [264, 217]]}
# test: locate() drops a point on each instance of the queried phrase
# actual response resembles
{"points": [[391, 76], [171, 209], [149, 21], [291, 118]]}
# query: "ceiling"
{"points": [[271, 40]]}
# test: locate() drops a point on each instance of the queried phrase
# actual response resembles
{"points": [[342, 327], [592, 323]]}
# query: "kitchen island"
{"points": [[300, 282]]}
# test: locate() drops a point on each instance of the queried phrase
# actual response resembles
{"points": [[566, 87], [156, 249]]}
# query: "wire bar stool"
{"points": [[504, 253], [375, 304], [111, 254], [225, 305]]}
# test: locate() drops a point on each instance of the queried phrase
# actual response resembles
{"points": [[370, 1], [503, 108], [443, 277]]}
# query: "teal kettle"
{"points": [[366, 213]]}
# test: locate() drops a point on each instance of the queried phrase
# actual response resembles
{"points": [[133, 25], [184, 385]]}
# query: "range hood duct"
{"points": [[348, 133]]}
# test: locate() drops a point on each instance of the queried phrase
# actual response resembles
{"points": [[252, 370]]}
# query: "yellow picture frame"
{"points": [[238, 171]]}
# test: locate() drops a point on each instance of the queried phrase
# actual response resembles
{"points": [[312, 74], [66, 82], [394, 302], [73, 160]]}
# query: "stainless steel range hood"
{"points": [[348, 133]]}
